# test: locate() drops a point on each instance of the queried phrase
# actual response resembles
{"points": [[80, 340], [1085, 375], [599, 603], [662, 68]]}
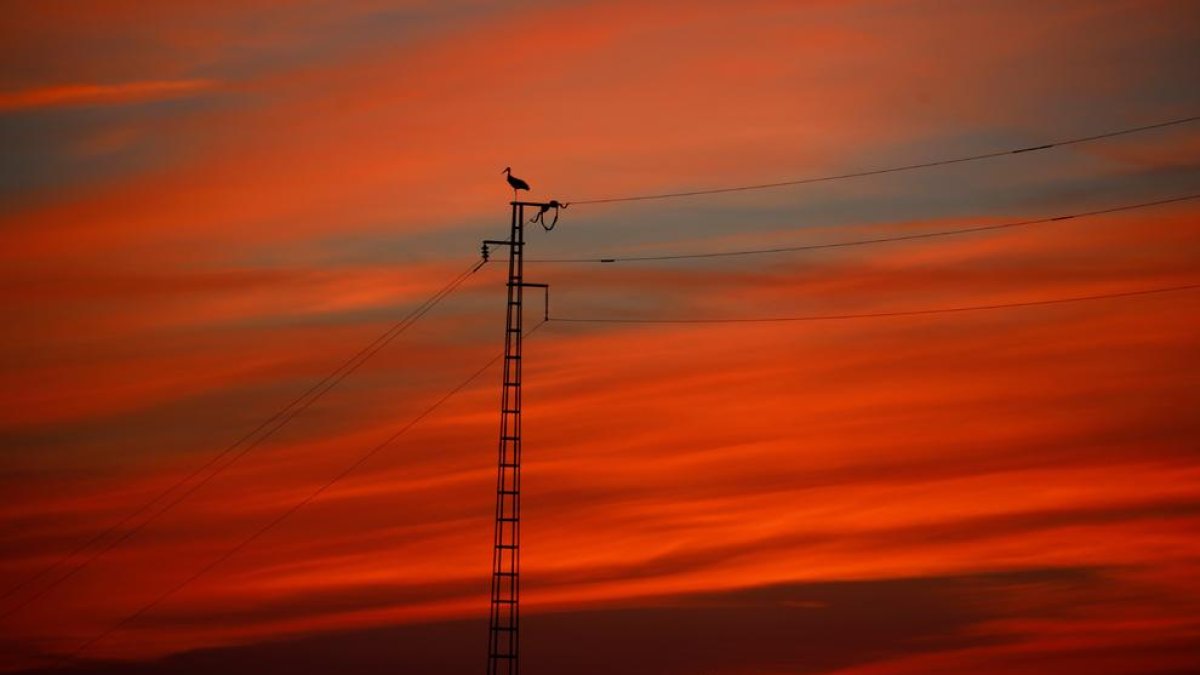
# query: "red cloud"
{"points": [[101, 94]]}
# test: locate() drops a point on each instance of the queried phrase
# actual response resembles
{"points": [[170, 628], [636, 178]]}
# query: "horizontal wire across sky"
{"points": [[893, 169], [883, 315], [862, 242]]}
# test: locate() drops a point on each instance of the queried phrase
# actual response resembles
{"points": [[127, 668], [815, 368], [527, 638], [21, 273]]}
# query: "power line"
{"points": [[308, 499], [892, 169], [271, 425], [880, 315], [862, 242]]}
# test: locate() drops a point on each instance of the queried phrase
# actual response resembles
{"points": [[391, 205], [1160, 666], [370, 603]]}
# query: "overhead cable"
{"points": [[863, 242], [880, 315], [177, 493], [890, 169]]}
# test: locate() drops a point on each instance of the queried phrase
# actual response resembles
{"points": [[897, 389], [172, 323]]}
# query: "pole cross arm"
{"points": [[486, 253], [546, 314]]}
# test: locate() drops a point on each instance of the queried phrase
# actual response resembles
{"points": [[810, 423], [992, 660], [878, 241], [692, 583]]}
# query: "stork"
{"points": [[516, 183]]}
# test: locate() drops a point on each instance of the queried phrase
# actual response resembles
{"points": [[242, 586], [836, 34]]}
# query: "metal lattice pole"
{"points": [[504, 616], [504, 620]]}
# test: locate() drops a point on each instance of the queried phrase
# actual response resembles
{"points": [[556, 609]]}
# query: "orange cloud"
{"points": [[101, 94]]}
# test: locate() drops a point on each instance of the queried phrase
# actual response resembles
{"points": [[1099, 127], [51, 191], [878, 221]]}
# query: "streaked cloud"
{"points": [[1005, 488], [101, 94]]}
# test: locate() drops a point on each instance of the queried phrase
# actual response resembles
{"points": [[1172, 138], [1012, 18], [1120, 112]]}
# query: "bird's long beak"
{"points": [[506, 169]]}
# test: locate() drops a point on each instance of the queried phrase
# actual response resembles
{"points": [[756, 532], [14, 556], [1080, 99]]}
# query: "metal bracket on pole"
{"points": [[546, 288]]}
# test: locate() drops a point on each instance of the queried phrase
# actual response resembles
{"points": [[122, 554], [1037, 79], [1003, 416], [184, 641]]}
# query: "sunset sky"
{"points": [[207, 207]]}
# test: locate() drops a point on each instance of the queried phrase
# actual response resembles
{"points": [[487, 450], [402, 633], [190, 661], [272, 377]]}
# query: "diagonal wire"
{"points": [[881, 315], [891, 169], [213, 466], [308, 499], [862, 242]]}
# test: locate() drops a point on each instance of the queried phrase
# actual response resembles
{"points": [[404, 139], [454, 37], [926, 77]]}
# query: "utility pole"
{"points": [[504, 619]]}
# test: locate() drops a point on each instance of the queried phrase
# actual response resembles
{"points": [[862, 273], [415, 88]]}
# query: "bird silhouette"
{"points": [[516, 183]]}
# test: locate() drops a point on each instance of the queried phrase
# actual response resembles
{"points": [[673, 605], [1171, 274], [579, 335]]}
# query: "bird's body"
{"points": [[516, 183]]}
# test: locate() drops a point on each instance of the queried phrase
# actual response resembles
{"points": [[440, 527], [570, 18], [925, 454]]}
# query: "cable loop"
{"points": [[540, 216]]}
